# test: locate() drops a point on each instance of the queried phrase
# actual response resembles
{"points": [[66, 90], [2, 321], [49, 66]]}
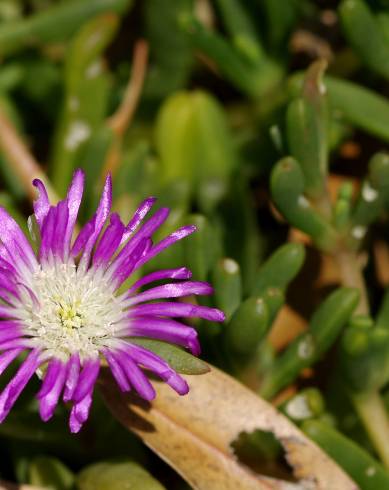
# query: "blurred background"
{"points": [[266, 124]]}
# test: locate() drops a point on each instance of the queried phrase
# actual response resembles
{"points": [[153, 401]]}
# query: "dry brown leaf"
{"points": [[194, 434]]}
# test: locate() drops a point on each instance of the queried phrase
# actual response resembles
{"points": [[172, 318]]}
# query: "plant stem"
{"points": [[372, 412], [121, 119], [369, 405], [351, 276]]}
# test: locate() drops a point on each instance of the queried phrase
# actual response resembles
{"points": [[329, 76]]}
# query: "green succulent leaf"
{"points": [[54, 24], [180, 360], [280, 268], [307, 131], [325, 326], [50, 473], [117, 476], [365, 35], [358, 463]]}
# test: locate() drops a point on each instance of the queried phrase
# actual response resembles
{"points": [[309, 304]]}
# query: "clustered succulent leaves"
{"points": [[263, 124]]}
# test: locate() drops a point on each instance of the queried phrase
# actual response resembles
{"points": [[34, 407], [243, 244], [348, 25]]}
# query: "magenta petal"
{"points": [[178, 383], [73, 200], [109, 242], [79, 413], [158, 366], [42, 204], [148, 228], [84, 235], [120, 271], [51, 391], [117, 371], [172, 290], [9, 330], [8, 282], [179, 273], [5, 266], [136, 376], [13, 389], [47, 233], [167, 242], [87, 379], [167, 330], [15, 343], [52, 373], [9, 289], [139, 214], [16, 244], [143, 234], [7, 357], [178, 310], [53, 232], [5, 296], [73, 373], [59, 245], [7, 312], [99, 219]]}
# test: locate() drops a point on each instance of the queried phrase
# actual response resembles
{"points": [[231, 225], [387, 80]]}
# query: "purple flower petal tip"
{"points": [[150, 200], [193, 343], [178, 384], [218, 316], [81, 276]]}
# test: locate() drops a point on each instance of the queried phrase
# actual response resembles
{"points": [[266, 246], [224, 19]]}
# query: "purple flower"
{"points": [[64, 307]]}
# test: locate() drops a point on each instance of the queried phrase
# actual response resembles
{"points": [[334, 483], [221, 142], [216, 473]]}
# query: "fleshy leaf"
{"points": [[117, 476], [180, 360], [51, 474]]}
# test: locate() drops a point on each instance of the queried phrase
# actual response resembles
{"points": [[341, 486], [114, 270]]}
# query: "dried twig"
{"points": [[121, 119], [20, 159]]}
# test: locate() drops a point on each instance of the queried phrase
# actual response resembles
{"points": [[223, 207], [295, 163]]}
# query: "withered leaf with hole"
{"points": [[194, 434]]}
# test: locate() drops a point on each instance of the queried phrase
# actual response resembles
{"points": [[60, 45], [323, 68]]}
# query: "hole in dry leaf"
{"points": [[262, 453]]}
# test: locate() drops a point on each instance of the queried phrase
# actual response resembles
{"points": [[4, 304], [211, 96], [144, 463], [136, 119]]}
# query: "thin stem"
{"points": [[372, 412], [20, 160], [121, 119]]}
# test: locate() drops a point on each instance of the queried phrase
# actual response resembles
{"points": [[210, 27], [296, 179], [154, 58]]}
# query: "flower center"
{"points": [[69, 316], [70, 311]]}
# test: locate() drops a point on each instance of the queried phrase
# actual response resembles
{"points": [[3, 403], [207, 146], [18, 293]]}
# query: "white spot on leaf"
{"points": [[303, 202], [369, 194], [359, 232], [305, 348], [93, 70], [79, 132], [298, 408], [230, 266]]}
